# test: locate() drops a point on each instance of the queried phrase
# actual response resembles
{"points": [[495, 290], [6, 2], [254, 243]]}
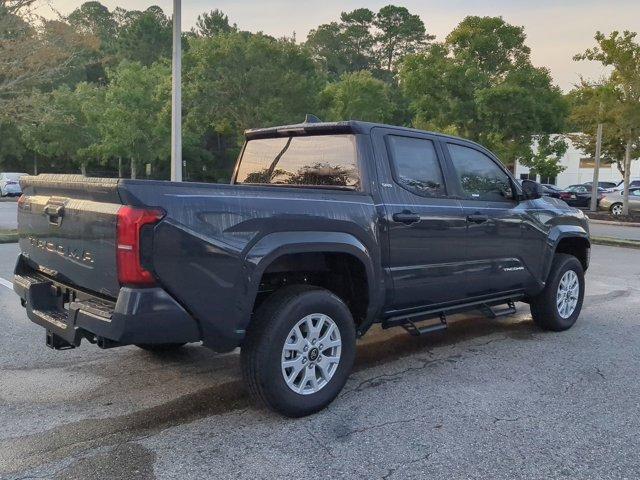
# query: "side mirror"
{"points": [[531, 190]]}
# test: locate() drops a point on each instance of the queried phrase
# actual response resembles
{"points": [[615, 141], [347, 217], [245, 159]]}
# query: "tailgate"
{"points": [[67, 226]]}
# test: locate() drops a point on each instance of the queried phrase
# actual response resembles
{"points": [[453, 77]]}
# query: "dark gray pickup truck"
{"points": [[325, 229]]}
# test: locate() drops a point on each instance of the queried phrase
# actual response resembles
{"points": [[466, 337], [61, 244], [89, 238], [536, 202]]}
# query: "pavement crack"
{"points": [[394, 470], [380, 425], [319, 441], [378, 380]]}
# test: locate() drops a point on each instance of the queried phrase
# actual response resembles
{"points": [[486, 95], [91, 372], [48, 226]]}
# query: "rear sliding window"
{"points": [[315, 160]]}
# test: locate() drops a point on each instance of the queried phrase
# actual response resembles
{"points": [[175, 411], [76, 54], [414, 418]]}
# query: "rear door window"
{"points": [[314, 160], [415, 165]]}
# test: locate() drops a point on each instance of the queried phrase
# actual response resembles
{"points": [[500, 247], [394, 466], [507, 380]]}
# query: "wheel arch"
{"points": [[279, 247], [570, 239]]}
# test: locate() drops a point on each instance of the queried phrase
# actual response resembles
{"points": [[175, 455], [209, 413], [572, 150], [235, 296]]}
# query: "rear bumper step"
{"points": [[139, 315]]}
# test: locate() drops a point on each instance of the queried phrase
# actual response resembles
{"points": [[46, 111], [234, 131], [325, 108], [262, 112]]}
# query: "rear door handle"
{"points": [[477, 218], [406, 217]]}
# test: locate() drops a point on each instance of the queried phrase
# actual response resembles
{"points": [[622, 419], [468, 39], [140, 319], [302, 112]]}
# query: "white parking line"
{"points": [[6, 283]]}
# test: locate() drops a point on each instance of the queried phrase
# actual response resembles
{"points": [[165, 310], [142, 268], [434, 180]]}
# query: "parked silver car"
{"points": [[613, 202], [9, 183]]}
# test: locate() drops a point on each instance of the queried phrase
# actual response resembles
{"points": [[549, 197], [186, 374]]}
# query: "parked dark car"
{"points": [[326, 229], [549, 190], [580, 195], [605, 186]]}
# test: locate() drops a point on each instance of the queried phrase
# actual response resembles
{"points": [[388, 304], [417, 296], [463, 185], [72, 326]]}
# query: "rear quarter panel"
{"points": [[202, 247]]}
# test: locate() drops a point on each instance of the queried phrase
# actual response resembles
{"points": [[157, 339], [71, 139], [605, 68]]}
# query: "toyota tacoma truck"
{"points": [[324, 230]]}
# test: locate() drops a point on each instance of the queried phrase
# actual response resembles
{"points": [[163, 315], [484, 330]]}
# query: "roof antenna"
{"points": [[310, 118]]}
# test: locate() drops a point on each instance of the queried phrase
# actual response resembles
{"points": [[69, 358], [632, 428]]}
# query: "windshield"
{"points": [[317, 160]]}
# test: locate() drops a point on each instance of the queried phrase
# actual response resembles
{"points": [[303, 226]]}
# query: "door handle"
{"points": [[477, 218], [406, 217]]}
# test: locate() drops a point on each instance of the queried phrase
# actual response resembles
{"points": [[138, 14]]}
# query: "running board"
{"points": [[492, 313], [409, 321], [416, 331]]}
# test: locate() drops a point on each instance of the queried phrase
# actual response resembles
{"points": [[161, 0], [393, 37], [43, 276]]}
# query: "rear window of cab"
{"points": [[313, 160]]}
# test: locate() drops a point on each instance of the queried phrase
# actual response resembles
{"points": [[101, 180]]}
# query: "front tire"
{"points": [[558, 306], [299, 350]]}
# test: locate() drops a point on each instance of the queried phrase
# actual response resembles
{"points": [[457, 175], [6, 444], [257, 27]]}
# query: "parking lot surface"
{"points": [[487, 399]]}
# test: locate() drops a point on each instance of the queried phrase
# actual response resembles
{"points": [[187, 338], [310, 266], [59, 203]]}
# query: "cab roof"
{"points": [[325, 128]]}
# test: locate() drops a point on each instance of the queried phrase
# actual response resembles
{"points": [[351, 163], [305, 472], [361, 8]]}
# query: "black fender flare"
{"points": [[556, 235], [274, 245]]}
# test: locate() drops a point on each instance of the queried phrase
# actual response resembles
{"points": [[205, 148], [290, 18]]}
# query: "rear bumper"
{"points": [[139, 315]]}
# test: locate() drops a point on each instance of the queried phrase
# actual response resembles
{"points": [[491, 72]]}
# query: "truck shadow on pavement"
{"points": [[377, 347]]}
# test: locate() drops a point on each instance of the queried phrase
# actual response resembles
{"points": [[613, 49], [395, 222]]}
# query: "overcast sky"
{"points": [[556, 30]]}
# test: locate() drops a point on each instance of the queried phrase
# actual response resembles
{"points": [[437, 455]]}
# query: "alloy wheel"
{"points": [[311, 354], [568, 292]]}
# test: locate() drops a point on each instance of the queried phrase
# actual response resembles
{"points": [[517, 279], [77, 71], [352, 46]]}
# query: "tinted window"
{"points": [[416, 165], [578, 189], [480, 177], [309, 160]]}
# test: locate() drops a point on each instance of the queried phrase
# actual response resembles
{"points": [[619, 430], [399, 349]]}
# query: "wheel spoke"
{"points": [[323, 365], [298, 344], [295, 365], [326, 340]]}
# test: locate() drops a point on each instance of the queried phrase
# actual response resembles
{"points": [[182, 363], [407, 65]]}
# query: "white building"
{"points": [[579, 169]]}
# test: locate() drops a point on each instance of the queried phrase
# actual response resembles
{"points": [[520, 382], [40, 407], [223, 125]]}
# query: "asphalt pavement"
{"points": [[486, 399], [614, 231], [8, 209]]}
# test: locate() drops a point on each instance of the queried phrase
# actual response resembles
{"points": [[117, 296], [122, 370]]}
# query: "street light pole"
{"points": [[176, 97]]}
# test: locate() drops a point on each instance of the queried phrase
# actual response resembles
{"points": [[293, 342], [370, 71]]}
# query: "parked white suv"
{"points": [[9, 184], [633, 183]]}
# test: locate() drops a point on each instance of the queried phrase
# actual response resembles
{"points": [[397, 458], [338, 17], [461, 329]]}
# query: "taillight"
{"points": [[565, 196], [130, 223]]}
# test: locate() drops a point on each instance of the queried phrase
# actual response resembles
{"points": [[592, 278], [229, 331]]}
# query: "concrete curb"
{"points": [[615, 242], [8, 236], [618, 224]]}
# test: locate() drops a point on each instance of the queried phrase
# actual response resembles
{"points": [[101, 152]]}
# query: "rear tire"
{"points": [[558, 306], [160, 347], [299, 350], [616, 209]]}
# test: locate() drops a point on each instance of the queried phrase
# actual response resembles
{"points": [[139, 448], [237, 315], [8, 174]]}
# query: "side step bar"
{"points": [[409, 321], [490, 312], [416, 331]]}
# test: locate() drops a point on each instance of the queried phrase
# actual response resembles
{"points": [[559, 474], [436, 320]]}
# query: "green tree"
{"points": [[399, 33], [364, 40], [214, 23], [357, 40], [93, 18], [326, 45], [462, 86], [545, 160], [621, 52], [357, 96], [144, 36], [62, 130], [489, 44], [35, 56], [236, 81], [593, 103], [132, 124]]}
